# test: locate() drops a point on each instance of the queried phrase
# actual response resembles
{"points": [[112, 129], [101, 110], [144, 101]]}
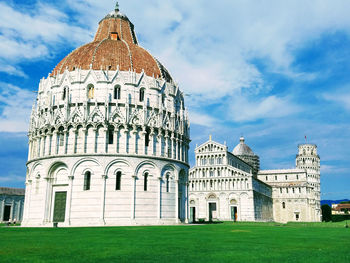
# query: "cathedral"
{"points": [[108, 137], [231, 187], [108, 145]]}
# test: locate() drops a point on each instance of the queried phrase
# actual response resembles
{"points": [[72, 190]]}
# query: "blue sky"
{"points": [[273, 71]]}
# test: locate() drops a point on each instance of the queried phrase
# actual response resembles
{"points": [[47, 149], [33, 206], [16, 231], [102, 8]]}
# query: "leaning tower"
{"points": [[308, 159], [108, 137]]}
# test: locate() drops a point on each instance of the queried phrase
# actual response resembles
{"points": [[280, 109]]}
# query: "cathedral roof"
{"points": [[115, 46], [242, 149]]}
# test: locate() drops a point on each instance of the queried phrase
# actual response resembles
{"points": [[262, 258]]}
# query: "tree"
{"points": [[326, 213]]}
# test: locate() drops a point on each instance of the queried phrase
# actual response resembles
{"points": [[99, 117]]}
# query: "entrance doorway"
{"points": [[59, 212], [192, 214], [234, 213], [7, 213], [212, 211]]}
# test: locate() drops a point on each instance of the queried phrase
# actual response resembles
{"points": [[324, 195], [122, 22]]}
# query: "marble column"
{"points": [[75, 140], [159, 141], [159, 197], [69, 199], [94, 149], [177, 200], [133, 139], [116, 140], [66, 138], [151, 142], [54, 143], [126, 148], [133, 198], [186, 203], [47, 200], [103, 199], [84, 130], [173, 146], [142, 144], [105, 142]]}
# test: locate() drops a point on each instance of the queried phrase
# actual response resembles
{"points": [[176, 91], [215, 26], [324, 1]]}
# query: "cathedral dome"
{"points": [[115, 46], [242, 148]]}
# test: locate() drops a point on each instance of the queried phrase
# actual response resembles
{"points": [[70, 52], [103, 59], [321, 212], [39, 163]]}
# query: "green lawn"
{"points": [[227, 242]]}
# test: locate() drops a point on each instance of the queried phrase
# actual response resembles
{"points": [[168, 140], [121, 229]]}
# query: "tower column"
{"points": [[103, 199], [151, 142], [84, 140], [159, 197], [160, 146], [54, 143], [133, 198], [69, 199], [177, 200]]}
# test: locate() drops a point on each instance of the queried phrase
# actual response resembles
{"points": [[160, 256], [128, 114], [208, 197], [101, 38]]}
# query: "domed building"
{"points": [[244, 152], [108, 137]]}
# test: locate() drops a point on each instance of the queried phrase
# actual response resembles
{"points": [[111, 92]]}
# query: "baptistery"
{"points": [[108, 137]]}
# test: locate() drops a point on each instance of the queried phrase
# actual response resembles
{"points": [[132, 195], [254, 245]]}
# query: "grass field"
{"points": [[226, 242]]}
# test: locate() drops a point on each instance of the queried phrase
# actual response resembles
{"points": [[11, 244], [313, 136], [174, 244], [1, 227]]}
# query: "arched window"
{"points": [[145, 181], [87, 181], [118, 181], [110, 135], [167, 183], [90, 91], [60, 136], [117, 92], [283, 205], [142, 95], [147, 137], [64, 94]]}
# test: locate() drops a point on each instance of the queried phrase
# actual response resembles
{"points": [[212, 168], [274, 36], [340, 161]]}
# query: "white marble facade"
{"points": [[224, 186], [107, 147]]}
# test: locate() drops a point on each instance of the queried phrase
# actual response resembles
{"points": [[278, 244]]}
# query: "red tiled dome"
{"points": [[115, 44]]}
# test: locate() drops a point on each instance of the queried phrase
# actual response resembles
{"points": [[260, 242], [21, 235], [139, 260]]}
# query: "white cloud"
{"points": [[242, 109], [11, 70], [340, 97], [202, 119], [15, 107], [33, 34]]}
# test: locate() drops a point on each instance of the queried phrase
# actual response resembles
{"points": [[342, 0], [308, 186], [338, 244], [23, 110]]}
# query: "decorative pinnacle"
{"points": [[116, 7]]}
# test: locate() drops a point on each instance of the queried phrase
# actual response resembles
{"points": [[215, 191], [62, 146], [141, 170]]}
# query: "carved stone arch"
{"points": [[37, 168], [76, 116], [211, 196], [96, 115], [84, 160], [142, 167], [117, 116], [169, 168], [108, 167], [136, 118]]}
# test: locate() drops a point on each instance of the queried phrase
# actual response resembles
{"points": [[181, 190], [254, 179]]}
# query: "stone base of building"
{"points": [[106, 222]]}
